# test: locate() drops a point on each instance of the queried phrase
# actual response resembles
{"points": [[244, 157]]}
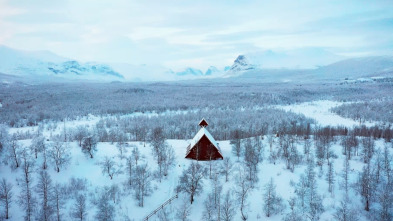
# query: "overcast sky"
{"points": [[194, 33]]}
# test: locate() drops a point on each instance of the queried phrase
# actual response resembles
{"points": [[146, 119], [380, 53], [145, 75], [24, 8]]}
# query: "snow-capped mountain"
{"points": [[242, 63], [47, 66], [266, 66], [212, 71], [193, 73], [190, 71], [374, 66]]}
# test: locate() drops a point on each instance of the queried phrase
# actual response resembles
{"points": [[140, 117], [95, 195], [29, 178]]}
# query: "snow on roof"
{"points": [[200, 134]]}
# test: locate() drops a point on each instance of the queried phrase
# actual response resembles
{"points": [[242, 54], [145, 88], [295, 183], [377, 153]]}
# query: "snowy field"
{"points": [[320, 111], [126, 206], [83, 167]]}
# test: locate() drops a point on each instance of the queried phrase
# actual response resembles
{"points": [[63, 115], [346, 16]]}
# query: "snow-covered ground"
{"points": [[320, 111], [82, 166]]}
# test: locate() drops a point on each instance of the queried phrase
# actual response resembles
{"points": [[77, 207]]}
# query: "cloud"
{"points": [[201, 33]]}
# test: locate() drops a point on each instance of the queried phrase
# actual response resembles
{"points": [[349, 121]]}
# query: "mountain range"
{"points": [[263, 66]]}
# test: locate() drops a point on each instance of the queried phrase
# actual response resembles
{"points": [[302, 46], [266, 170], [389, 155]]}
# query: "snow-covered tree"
{"points": [[80, 133], [89, 145], [242, 190], [79, 208], [26, 198], [226, 167], [59, 154], [14, 152], [191, 180], [344, 212], [273, 203], [228, 207], [142, 183], [108, 167], [330, 177], [105, 209], [236, 143], [345, 175], [44, 189], [6, 196], [184, 211], [208, 213]]}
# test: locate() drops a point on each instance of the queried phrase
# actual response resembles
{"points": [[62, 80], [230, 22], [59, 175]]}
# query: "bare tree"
{"points": [[26, 199], [163, 153], [378, 165], [14, 151], [344, 212], [270, 140], [226, 167], [184, 211], [386, 161], [208, 209], [349, 144], [157, 139], [345, 175], [385, 198], [58, 198], [366, 186], [307, 147], [79, 208], [4, 137], [251, 159], [121, 146], [142, 182], [228, 207], [242, 190], [108, 166], [272, 202], [44, 189], [191, 180], [236, 143], [294, 215], [37, 144], [80, 133], [368, 148], [168, 159], [6, 196], [130, 170], [330, 177], [105, 209], [89, 145], [59, 154], [136, 154]]}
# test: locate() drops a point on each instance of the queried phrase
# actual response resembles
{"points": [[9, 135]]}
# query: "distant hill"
{"points": [[44, 66], [352, 68], [300, 65]]}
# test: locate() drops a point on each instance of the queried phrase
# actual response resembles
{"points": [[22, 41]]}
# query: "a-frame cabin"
{"points": [[203, 146]]}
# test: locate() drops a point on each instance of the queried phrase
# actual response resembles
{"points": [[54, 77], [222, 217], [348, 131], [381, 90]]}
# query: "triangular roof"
{"points": [[199, 135], [203, 123]]}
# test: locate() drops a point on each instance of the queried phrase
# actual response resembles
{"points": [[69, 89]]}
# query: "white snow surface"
{"points": [[82, 166], [320, 111]]}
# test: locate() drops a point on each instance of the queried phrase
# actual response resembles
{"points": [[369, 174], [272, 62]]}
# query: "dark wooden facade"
{"points": [[203, 146], [203, 123], [203, 150]]}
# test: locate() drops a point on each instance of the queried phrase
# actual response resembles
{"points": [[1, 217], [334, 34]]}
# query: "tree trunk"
{"points": [[6, 207], [367, 206]]}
